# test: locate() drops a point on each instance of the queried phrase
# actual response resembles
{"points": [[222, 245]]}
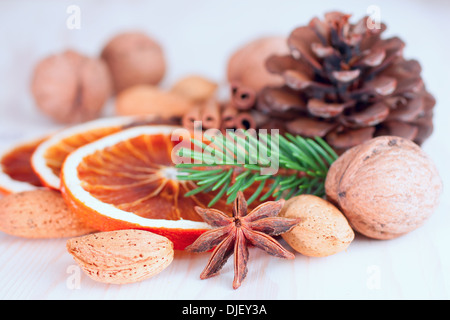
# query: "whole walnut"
{"points": [[71, 87], [133, 59], [247, 65], [386, 187]]}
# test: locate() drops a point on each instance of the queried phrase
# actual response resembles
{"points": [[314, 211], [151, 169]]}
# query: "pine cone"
{"points": [[344, 83]]}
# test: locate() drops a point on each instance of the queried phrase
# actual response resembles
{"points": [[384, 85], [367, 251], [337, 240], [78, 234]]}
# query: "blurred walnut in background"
{"points": [[71, 87], [134, 59], [246, 65]]}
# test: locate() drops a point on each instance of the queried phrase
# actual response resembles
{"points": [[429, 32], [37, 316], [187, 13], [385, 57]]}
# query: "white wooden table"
{"points": [[198, 38]]}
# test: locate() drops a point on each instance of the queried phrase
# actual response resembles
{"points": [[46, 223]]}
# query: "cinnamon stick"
{"points": [[244, 120], [244, 98], [211, 114], [194, 114], [228, 116]]}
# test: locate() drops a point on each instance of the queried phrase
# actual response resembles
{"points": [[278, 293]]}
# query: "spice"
{"points": [[243, 98], [234, 234]]}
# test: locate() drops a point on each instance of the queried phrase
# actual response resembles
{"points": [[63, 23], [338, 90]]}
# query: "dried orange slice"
{"points": [[127, 180], [49, 156], [16, 172]]}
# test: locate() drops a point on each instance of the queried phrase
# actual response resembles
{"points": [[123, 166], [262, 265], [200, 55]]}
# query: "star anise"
{"points": [[234, 235]]}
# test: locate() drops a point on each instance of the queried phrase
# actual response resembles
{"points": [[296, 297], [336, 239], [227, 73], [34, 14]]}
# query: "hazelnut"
{"points": [[134, 58], [386, 187], [246, 66], [71, 87]]}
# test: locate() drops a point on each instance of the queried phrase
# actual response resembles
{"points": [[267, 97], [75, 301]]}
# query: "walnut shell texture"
{"points": [[386, 187], [134, 58], [246, 66], [70, 87]]}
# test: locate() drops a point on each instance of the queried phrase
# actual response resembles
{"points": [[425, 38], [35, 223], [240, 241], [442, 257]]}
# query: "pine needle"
{"points": [[303, 166]]}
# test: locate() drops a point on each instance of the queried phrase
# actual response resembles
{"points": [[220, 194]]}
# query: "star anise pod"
{"points": [[234, 235]]}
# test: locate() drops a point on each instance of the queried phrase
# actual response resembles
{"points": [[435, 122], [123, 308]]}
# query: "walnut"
{"points": [[246, 66], [71, 87], [385, 187], [134, 59]]}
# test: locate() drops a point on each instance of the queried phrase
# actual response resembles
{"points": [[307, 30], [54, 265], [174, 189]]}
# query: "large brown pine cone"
{"points": [[345, 83]]}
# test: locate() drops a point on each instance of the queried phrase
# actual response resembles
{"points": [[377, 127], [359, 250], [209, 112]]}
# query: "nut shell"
{"points": [[134, 58], [195, 88], [386, 187], [323, 231], [40, 213], [149, 100], [70, 87], [335, 173], [246, 66], [122, 256]]}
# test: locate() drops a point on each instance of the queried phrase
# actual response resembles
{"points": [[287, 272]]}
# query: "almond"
{"points": [[40, 213], [195, 88], [324, 230], [146, 99], [122, 256]]}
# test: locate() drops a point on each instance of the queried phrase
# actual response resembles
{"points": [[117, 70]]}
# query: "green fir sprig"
{"points": [[234, 162]]}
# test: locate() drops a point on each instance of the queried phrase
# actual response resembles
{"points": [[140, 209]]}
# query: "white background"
{"points": [[198, 37]]}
